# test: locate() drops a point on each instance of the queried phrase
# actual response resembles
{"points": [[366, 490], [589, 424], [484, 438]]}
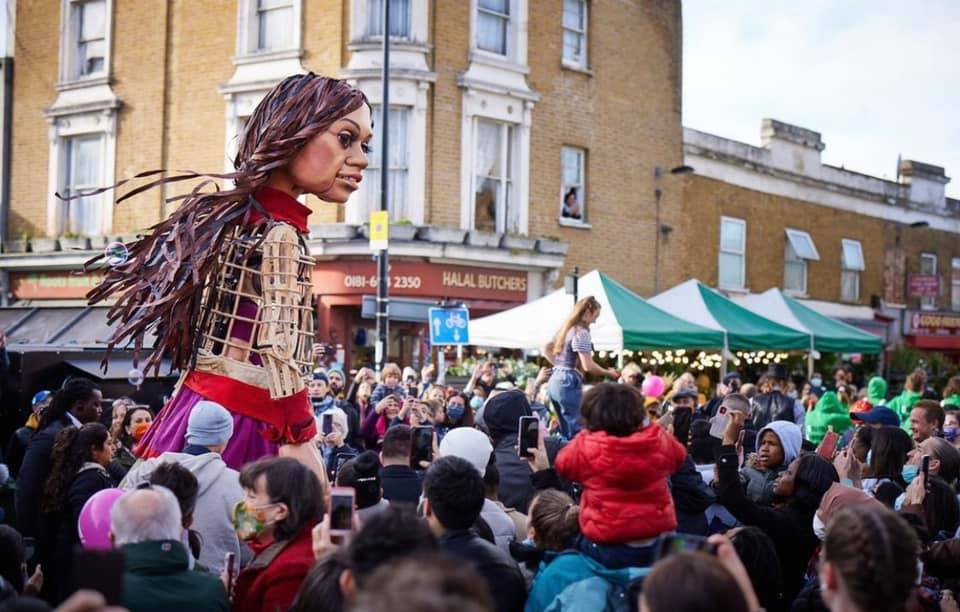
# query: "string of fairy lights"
{"points": [[699, 361]]}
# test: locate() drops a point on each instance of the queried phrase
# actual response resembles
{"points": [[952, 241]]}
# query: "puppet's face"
{"points": [[331, 165]]}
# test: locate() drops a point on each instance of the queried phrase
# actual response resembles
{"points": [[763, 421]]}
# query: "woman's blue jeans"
{"points": [[566, 391]]}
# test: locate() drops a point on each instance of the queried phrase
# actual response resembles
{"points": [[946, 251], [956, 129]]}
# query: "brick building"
{"points": [[853, 246], [510, 127]]}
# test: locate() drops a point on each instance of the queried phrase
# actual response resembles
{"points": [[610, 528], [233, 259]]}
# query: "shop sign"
{"points": [[421, 279], [920, 323], [59, 284], [924, 285]]}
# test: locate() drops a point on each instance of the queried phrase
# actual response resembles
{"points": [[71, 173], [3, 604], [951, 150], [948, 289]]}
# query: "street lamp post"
{"points": [[658, 195], [383, 267]]}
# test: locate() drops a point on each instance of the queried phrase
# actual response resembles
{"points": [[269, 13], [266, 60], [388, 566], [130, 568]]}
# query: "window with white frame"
{"points": [[399, 18], [493, 26], [85, 48], [573, 195], [733, 250], [851, 265], [83, 167], [928, 265], [274, 21], [955, 283], [799, 249], [495, 204], [398, 159], [575, 33]]}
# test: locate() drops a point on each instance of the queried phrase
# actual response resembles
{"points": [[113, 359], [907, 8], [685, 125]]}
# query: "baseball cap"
{"points": [[878, 415], [682, 393]]}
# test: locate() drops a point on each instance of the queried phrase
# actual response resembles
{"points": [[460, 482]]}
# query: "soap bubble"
{"points": [[116, 254], [135, 377]]}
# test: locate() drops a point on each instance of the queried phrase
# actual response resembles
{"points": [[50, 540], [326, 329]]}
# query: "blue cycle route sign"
{"points": [[449, 326]]}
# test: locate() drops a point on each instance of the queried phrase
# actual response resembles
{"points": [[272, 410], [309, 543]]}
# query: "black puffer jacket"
{"points": [[501, 417], [499, 570]]}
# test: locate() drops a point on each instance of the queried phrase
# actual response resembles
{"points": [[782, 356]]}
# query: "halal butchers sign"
{"points": [[421, 279], [920, 323]]}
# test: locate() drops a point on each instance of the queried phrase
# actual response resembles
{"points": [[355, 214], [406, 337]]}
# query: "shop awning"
{"points": [[695, 302], [45, 328], [626, 321], [828, 334]]}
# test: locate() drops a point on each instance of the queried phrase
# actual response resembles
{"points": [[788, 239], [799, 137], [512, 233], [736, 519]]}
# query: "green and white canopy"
{"points": [[626, 321], [829, 335], [744, 329]]}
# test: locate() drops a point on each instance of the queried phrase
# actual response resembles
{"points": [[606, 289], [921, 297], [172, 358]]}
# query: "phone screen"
{"points": [[718, 424], [828, 446], [529, 435], [674, 543], [421, 448], [101, 571], [230, 566], [327, 425], [341, 509], [925, 468]]}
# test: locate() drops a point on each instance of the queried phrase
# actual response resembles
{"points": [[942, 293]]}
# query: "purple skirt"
{"points": [[168, 432]]}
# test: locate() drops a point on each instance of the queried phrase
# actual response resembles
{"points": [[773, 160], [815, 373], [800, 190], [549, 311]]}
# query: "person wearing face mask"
{"points": [[951, 428], [884, 474], [136, 421], [816, 384], [147, 526], [284, 501]]}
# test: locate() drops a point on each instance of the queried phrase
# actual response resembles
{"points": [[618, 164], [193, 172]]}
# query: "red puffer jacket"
{"points": [[625, 493]]}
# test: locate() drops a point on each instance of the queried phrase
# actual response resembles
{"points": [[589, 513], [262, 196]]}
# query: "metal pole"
{"points": [[657, 194], [383, 267], [576, 284]]}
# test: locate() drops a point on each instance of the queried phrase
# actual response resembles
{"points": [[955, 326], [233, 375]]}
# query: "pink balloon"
{"points": [[652, 386], [94, 523]]}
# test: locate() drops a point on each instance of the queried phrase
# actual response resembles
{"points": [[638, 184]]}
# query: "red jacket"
{"points": [[271, 581], [625, 493]]}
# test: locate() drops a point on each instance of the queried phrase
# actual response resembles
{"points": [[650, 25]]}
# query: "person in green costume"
{"points": [[951, 394], [828, 412], [912, 390]]}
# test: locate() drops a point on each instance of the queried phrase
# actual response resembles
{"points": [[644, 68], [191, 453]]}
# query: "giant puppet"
{"points": [[224, 282]]}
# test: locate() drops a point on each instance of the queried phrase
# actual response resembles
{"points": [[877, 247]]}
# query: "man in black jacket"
{"points": [[501, 417], [76, 403], [454, 497], [400, 483], [775, 405]]}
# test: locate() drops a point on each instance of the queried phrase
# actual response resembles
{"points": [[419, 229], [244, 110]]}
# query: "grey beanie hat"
{"points": [[210, 424]]}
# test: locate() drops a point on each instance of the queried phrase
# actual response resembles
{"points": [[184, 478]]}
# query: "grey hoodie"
{"points": [[219, 492]]}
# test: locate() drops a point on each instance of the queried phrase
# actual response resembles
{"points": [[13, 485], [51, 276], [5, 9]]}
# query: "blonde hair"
{"points": [[390, 369], [585, 305]]}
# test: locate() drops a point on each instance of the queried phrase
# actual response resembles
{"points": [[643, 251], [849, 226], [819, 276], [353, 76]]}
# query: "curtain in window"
{"points": [[398, 161], [91, 42], [399, 18], [493, 20], [275, 24], [486, 168], [574, 14], [83, 215]]}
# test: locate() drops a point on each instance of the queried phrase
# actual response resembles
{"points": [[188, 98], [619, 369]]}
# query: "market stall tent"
{"points": [[743, 329], [626, 321]]}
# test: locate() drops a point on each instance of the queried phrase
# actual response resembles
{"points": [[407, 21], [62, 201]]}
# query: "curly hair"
{"points": [[74, 390], [72, 448], [159, 287], [875, 552]]}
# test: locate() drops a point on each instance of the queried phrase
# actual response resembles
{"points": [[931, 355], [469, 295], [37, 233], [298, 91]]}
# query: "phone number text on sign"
{"points": [[370, 282]]}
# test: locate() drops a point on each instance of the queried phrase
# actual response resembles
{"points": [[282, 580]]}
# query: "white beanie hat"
{"points": [[339, 417], [470, 444]]}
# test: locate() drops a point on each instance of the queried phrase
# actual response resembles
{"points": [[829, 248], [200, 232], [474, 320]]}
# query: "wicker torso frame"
{"points": [[256, 324]]}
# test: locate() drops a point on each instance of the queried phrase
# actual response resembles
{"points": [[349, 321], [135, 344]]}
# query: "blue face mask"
{"points": [[950, 434], [910, 472], [476, 402], [455, 411], [816, 382]]}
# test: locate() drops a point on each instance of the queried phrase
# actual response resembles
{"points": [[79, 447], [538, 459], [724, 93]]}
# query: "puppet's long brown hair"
{"points": [[159, 288]]}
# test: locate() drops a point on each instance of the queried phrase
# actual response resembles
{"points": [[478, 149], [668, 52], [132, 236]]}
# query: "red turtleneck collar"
{"points": [[283, 207]]}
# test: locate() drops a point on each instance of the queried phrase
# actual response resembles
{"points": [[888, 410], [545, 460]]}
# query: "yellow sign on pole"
{"points": [[379, 230]]}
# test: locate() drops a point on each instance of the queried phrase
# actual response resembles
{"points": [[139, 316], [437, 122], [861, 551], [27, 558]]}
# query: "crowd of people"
{"points": [[756, 497]]}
